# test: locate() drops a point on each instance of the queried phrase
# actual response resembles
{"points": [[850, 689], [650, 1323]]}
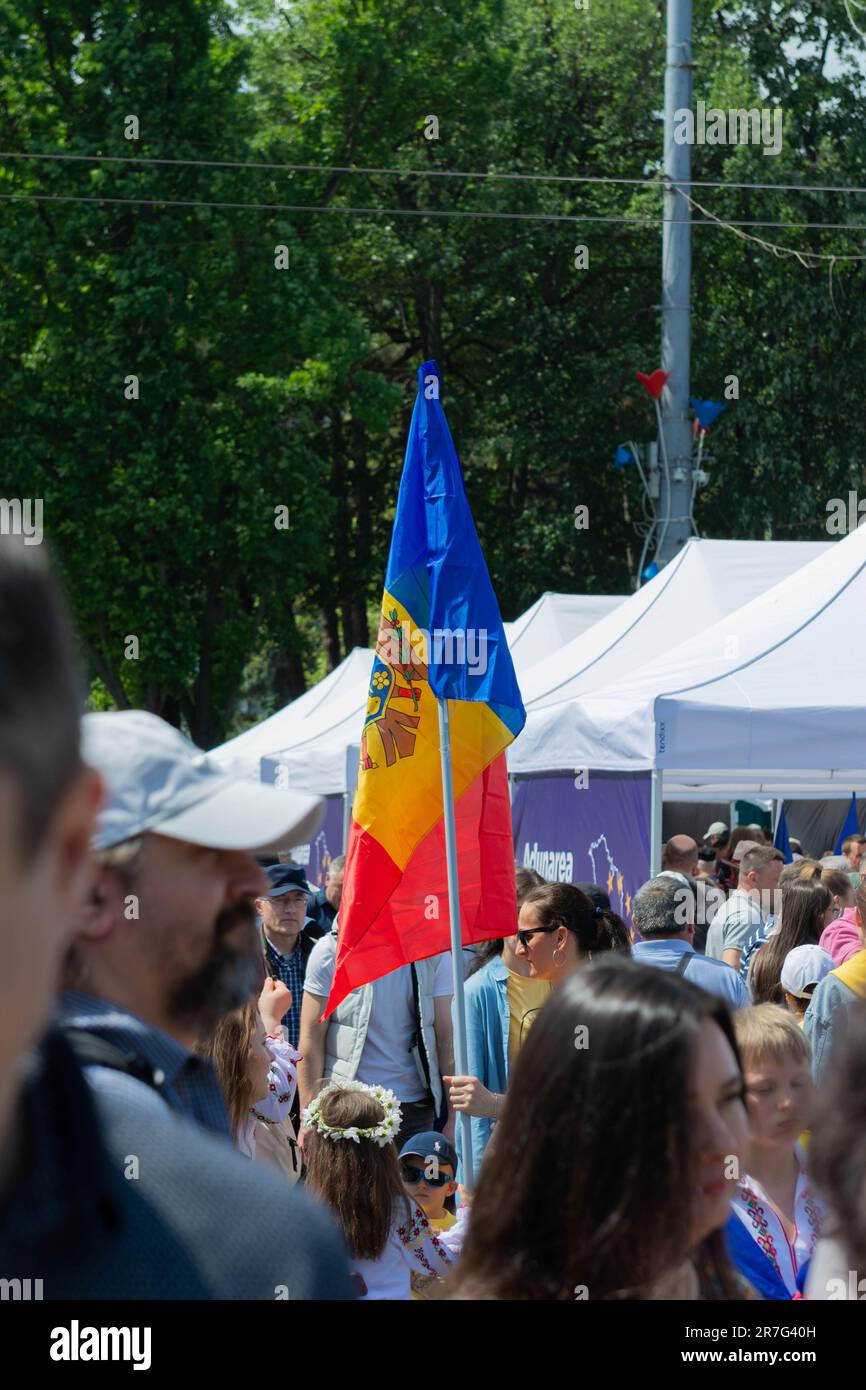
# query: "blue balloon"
{"points": [[622, 457], [707, 412], [650, 572]]}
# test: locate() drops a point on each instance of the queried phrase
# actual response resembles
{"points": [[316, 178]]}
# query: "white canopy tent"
{"points": [[707, 580], [553, 621], [768, 701], [315, 738], [244, 753]]}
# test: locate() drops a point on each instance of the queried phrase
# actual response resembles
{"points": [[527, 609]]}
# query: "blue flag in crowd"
{"points": [[781, 840], [850, 827]]}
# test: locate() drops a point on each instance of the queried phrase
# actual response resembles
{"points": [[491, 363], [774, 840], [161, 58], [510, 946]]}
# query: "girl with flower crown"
{"points": [[352, 1165]]}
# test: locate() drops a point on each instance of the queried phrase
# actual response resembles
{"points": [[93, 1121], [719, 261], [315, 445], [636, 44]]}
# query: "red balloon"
{"points": [[654, 383]]}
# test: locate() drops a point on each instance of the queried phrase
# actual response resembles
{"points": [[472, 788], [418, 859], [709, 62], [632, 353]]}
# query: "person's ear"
{"points": [[104, 909], [452, 1188]]}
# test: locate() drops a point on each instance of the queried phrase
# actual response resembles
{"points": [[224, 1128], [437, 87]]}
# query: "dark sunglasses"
{"points": [[411, 1174], [523, 936]]}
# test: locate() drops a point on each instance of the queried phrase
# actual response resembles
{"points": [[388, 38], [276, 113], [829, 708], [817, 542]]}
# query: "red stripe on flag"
{"points": [[387, 920]]}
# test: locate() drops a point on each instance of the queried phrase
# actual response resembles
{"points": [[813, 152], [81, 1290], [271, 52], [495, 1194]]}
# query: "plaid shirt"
{"points": [[291, 970], [190, 1086]]}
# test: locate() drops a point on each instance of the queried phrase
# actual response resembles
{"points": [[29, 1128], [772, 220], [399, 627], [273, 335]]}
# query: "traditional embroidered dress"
{"points": [[268, 1133], [759, 1216], [415, 1256]]}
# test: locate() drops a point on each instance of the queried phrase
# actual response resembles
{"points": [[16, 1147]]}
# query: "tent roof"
{"points": [[552, 621], [770, 699], [706, 581], [243, 754], [313, 735]]}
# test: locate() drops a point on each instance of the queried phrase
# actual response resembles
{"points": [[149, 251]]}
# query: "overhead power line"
{"points": [[574, 218], [653, 181]]}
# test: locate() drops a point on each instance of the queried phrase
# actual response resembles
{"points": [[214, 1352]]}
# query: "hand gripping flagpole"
{"points": [[460, 1049]]}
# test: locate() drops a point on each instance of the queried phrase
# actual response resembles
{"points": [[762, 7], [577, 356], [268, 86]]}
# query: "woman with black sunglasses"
{"points": [[561, 927]]}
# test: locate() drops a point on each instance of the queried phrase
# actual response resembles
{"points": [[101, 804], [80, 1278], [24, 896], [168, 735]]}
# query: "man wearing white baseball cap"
{"points": [[168, 944], [165, 946]]}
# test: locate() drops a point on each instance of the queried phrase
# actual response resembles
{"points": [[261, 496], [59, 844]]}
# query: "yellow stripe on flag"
{"points": [[399, 793]]}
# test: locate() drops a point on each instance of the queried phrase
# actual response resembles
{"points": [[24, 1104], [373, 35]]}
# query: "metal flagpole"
{"points": [[656, 794], [460, 1063]]}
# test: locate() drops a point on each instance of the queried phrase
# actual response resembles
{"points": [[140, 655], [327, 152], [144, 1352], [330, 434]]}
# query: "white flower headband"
{"points": [[381, 1134]]}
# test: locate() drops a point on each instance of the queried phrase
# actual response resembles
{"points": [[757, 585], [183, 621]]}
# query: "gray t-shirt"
{"points": [[386, 1059], [733, 924]]}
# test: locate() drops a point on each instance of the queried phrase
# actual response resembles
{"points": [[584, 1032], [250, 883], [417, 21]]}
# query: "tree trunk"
{"points": [[331, 634]]}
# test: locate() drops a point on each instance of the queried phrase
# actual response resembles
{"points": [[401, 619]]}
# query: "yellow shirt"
{"points": [[443, 1223], [525, 998]]}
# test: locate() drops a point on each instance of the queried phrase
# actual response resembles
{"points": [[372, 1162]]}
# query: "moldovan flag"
{"points": [[440, 636]]}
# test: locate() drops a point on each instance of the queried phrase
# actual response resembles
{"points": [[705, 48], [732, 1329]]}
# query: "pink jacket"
{"points": [[841, 938]]}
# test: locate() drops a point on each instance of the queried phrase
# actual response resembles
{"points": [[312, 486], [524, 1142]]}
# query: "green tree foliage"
{"points": [[261, 387], [160, 509]]}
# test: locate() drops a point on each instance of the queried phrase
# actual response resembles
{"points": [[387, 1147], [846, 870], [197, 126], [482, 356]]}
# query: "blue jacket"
{"points": [[825, 1020], [487, 1023]]}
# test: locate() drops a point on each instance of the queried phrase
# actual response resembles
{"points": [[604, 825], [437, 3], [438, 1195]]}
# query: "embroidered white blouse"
{"points": [[412, 1248], [761, 1219]]}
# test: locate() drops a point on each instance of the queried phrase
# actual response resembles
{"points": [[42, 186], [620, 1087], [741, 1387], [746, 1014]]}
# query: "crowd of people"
{"points": [[675, 1112]]}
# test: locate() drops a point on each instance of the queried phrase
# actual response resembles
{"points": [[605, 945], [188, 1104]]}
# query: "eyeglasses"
{"points": [[411, 1174], [523, 936]]}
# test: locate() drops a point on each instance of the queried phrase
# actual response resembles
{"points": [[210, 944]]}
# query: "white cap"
{"points": [[804, 966], [156, 780], [718, 827]]}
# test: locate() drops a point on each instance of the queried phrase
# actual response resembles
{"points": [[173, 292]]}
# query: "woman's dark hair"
{"points": [[838, 883], [737, 836], [360, 1182], [584, 1184], [801, 921], [596, 928], [526, 880]]}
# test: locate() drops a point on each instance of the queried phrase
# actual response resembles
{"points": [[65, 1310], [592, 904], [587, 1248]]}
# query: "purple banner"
{"points": [[592, 828]]}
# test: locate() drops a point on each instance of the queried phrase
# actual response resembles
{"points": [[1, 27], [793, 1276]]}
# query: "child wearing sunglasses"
{"points": [[428, 1167]]}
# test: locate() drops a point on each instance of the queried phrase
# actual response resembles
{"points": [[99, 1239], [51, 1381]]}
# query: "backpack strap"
{"points": [[416, 1046], [683, 962], [92, 1050]]}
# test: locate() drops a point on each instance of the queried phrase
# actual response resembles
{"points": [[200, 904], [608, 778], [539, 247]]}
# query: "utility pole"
{"points": [[675, 444]]}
